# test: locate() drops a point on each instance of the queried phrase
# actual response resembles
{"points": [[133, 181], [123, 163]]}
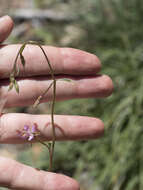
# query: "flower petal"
{"points": [[34, 129], [30, 137], [26, 127]]}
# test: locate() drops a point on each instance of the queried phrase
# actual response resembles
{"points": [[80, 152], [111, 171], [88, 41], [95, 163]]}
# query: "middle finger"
{"points": [[80, 87]]}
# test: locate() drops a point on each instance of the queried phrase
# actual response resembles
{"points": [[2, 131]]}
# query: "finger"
{"points": [[80, 87], [18, 176], [6, 26], [66, 127], [63, 61]]}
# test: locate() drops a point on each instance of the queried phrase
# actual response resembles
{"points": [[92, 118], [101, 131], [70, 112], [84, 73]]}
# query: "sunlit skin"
{"points": [[84, 69]]}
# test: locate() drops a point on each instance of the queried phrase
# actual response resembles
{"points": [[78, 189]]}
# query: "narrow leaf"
{"points": [[22, 48], [22, 59], [12, 78], [37, 102], [49, 144], [66, 80], [10, 86], [16, 86]]}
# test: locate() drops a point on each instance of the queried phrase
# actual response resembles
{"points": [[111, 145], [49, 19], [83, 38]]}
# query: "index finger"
{"points": [[63, 61]]}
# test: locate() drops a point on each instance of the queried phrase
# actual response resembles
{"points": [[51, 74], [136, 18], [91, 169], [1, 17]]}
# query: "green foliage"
{"points": [[115, 161]]}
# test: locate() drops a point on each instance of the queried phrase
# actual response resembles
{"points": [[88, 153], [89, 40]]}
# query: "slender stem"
{"points": [[51, 69], [52, 109], [43, 143], [15, 61], [51, 149], [50, 154], [52, 117], [51, 159], [47, 89], [41, 96]]}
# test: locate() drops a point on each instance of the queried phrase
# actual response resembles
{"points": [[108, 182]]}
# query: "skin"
{"points": [[78, 65]]}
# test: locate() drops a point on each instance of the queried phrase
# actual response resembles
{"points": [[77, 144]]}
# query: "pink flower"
{"points": [[29, 132]]}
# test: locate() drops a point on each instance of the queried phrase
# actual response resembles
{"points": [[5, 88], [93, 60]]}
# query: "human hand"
{"points": [[82, 68]]}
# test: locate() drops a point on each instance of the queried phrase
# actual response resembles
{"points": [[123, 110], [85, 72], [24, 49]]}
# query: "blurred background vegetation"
{"points": [[113, 30]]}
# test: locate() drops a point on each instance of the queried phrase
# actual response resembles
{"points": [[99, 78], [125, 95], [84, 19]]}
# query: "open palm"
{"points": [[82, 68]]}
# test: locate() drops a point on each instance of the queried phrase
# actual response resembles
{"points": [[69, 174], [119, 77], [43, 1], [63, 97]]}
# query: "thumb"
{"points": [[6, 26]]}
